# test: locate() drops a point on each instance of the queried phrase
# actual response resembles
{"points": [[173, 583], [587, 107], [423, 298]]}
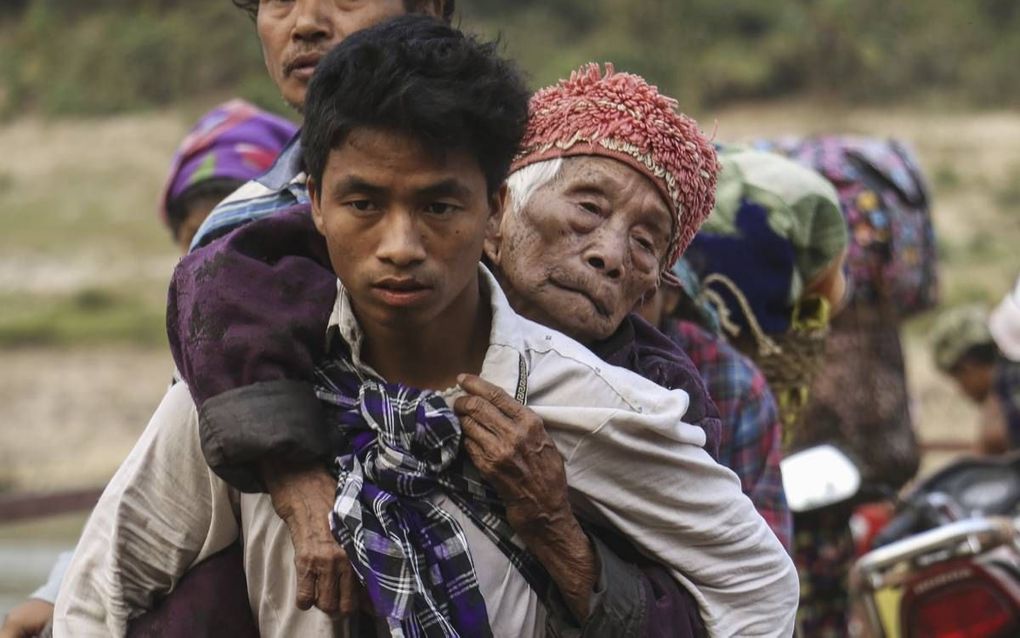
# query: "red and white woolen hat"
{"points": [[620, 115]]}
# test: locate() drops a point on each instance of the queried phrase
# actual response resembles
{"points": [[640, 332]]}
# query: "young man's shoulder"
{"points": [[563, 370]]}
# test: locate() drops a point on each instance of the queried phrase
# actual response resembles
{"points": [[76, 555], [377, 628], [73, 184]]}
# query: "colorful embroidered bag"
{"points": [[892, 253]]}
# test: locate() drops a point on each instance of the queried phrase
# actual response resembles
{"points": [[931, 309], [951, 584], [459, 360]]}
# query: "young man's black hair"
{"points": [[418, 76], [252, 7]]}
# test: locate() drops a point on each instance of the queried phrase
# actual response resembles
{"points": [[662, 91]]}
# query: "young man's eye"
{"points": [[440, 208], [361, 205]]}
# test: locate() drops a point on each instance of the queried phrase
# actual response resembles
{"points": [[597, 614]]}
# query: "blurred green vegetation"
{"points": [[66, 57], [84, 317], [61, 57]]}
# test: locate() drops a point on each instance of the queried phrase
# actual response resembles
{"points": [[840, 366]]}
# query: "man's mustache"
{"points": [[303, 59]]}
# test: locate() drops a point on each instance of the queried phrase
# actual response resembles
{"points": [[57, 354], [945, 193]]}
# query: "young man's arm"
{"points": [[162, 511], [686, 511]]}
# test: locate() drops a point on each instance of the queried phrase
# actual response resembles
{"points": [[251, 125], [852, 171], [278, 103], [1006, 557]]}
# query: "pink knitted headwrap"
{"points": [[620, 115]]}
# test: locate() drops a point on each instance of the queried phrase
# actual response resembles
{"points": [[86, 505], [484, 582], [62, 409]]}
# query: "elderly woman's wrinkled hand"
{"points": [[303, 498], [508, 444]]}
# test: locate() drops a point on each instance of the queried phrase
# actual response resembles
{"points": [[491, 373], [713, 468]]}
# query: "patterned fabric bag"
{"points": [[892, 252]]}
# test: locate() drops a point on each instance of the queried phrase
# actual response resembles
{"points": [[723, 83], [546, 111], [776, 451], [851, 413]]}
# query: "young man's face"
{"points": [[296, 34], [404, 227], [585, 248]]}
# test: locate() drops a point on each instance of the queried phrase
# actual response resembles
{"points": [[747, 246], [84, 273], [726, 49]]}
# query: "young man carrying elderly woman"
{"points": [[456, 446]]}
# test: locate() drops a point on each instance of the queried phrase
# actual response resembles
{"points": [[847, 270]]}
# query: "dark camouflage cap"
{"points": [[956, 331]]}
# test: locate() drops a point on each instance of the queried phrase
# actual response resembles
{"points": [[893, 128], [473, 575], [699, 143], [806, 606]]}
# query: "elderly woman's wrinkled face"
{"points": [[585, 248]]}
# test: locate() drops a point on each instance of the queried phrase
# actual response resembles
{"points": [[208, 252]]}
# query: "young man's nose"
{"points": [[313, 20], [401, 243]]}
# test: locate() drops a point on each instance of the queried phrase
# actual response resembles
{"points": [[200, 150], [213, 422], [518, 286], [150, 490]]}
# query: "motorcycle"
{"points": [[947, 565]]}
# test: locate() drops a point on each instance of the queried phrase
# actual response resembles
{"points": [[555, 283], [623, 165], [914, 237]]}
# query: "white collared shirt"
{"points": [[632, 463]]}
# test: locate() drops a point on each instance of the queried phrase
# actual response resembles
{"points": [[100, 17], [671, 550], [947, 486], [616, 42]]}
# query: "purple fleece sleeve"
{"points": [[246, 320]]}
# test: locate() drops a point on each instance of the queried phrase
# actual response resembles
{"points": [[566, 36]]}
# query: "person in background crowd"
{"points": [[981, 354], [859, 398], [750, 443], [228, 146], [770, 258], [964, 351], [1004, 324], [862, 402]]}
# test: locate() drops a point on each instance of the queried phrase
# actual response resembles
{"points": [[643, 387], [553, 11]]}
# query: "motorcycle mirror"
{"points": [[818, 477]]}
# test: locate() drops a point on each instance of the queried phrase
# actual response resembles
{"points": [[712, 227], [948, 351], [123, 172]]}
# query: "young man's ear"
{"points": [[493, 231], [316, 200]]}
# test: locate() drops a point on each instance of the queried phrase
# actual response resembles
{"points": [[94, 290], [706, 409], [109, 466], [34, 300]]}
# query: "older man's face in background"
{"points": [[585, 248], [296, 34]]}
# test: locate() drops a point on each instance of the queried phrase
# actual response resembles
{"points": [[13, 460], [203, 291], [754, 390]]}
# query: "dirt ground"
{"points": [[69, 417]]}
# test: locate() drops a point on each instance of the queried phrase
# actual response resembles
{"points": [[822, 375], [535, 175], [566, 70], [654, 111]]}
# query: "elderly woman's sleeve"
{"points": [[162, 512], [246, 320]]}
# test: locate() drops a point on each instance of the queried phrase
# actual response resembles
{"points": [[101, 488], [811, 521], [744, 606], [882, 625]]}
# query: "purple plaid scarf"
{"points": [[402, 445]]}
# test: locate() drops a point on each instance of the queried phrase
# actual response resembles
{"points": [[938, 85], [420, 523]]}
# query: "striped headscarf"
{"points": [[235, 140]]}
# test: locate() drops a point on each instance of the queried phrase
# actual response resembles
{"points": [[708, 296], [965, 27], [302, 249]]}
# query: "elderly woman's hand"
{"points": [[508, 444], [303, 498]]}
